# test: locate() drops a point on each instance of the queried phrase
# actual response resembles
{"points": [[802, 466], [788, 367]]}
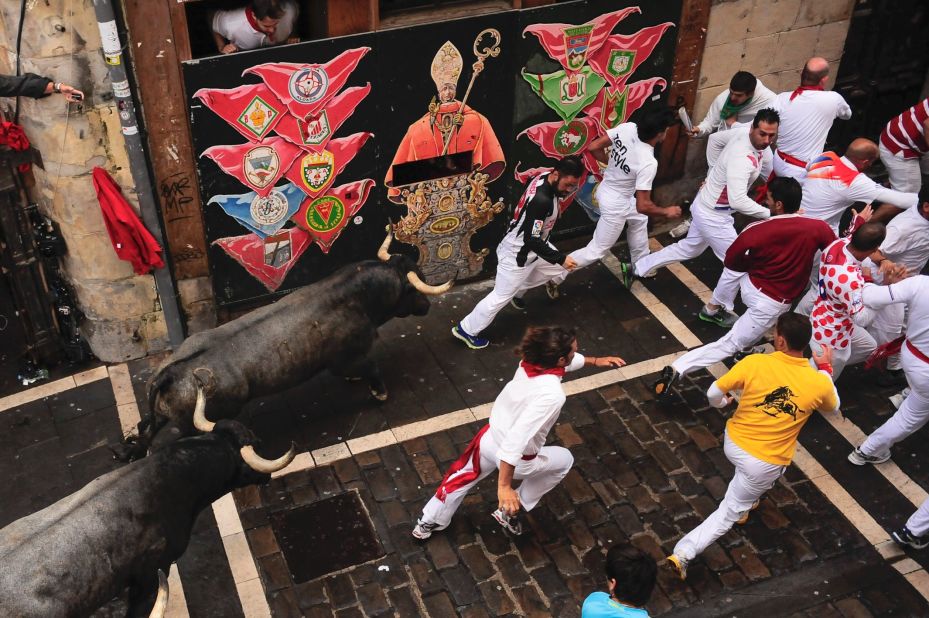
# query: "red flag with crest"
{"points": [[251, 110], [570, 45], [325, 217], [316, 131], [622, 54], [257, 166], [314, 172], [267, 260], [613, 107], [562, 139], [306, 88]]}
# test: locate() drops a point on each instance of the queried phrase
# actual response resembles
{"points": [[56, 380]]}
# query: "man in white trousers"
{"points": [[780, 391], [772, 259], [807, 114], [905, 147], [737, 105], [525, 247], [725, 190], [915, 532], [914, 411], [513, 440], [625, 193]]}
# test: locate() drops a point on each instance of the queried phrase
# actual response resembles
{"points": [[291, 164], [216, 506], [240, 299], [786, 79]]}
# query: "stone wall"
{"points": [[771, 39], [124, 317]]}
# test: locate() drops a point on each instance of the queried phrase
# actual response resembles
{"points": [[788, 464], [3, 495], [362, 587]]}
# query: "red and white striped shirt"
{"points": [[905, 134]]}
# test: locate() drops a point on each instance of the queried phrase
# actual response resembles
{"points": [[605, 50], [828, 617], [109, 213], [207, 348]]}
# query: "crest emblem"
{"points": [[614, 108], [571, 138], [573, 88], [261, 166], [278, 249], [620, 62], [258, 117], [316, 129], [577, 44], [308, 85], [325, 214], [269, 210], [316, 169]]}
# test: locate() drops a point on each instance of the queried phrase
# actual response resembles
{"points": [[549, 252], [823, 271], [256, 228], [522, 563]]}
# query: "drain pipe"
{"points": [[138, 165]]}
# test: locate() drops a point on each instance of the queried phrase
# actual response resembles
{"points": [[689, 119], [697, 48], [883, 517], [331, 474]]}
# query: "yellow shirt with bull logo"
{"points": [[779, 392]]}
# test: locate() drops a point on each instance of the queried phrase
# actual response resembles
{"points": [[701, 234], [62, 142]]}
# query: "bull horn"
{"points": [[382, 253], [260, 464], [201, 422], [425, 288], [161, 601]]}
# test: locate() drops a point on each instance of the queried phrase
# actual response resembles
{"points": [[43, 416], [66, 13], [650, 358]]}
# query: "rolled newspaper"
{"points": [[685, 119]]}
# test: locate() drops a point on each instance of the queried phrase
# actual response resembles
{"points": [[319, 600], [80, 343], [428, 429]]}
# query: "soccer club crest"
{"points": [[258, 117], [570, 138], [577, 42], [261, 166], [269, 210], [560, 139], [262, 215], [566, 93], [267, 259], [315, 131], [613, 111], [316, 170], [308, 85], [326, 216], [620, 63]]}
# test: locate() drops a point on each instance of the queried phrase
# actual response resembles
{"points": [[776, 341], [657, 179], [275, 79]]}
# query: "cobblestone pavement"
{"points": [[645, 473]]}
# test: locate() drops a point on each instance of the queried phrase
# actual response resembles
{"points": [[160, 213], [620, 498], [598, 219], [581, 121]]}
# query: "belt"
{"points": [[791, 159], [534, 455], [783, 301], [916, 352]]}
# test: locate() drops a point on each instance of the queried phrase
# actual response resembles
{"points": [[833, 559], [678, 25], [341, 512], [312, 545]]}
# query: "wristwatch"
{"points": [[58, 87]]}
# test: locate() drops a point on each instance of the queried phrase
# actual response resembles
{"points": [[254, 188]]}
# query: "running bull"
{"points": [[125, 528], [331, 324]]}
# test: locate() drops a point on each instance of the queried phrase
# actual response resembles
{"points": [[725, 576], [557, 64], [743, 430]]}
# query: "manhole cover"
{"points": [[325, 536]]}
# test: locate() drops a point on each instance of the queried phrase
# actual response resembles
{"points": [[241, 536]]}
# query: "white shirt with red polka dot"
{"points": [[840, 285]]}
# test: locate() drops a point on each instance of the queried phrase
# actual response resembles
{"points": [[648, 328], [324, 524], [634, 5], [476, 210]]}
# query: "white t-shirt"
{"points": [[733, 171], [233, 25], [907, 240], [761, 98], [914, 292], [631, 166], [805, 121]]}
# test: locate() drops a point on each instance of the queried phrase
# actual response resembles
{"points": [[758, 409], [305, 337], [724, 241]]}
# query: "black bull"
{"points": [[123, 527], [331, 324]]}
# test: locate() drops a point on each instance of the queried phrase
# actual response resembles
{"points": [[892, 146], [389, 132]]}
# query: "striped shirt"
{"points": [[905, 134]]}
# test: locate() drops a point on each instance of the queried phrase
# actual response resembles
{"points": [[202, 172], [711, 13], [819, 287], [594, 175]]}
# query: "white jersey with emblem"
{"points": [[631, 166], [731, 174]]}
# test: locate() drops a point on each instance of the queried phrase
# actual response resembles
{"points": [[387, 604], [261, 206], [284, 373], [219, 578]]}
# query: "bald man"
{"points": [[806, 117]]}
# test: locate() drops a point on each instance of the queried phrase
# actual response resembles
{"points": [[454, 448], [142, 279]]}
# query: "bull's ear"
{"points": [[240, 434]]}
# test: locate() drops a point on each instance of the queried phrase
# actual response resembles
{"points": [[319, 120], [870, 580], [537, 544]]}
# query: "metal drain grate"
{"points": [[326, 536]]}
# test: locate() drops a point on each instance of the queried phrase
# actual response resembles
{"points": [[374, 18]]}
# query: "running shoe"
{"points": [[903, 536], [897, 400], [679, 564], [662, 387], [721, 317], [424, 529], [627, 273], [472, 341], [859, 459], [681, 229], [510, 523], [551, 288], [756, 349], [518, 303], [744, 519]]}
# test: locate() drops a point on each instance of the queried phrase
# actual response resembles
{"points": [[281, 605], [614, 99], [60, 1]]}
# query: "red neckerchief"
{"points": [[252, 20], [534, 370], [797, 92]]}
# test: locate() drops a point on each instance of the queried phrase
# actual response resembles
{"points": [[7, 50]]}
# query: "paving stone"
{"points": [[796, 546], [395, 514], [427, 469], [608, 534], [403, 602], [318, 611], [772, 517], [368, 459], [610, 422], [373, 600], [349, 612], [494, 538], [596, 440], [661, 527], [426, 577], [512, 571], [578, 489], [593, 513], [551, 582], [248, 497], [566, 561], [530, 552], [721, 462], [461, 585], [311, 593], [402, 541], [582, 585], [647, 544], [650, 473], [544, 525], [473, 611], [262, 541], [415, 446], [532, 605], [642, 429], [781, 494], [476, 560], [275, 495], [703, 506], [732, 579], [566, 607], [301, 478], [675, 505], [340, 590], [346, 470], [658, 603], [621, 472], [852, 608], [694, 459], [325, 482], [703, 581], [363, 574], [580, 535], [716, 558], [381, 484], [559, 503], [496, 597], [641, 499], [439, 605], [610, 495], [753, 568], [440, 552], [627, 519], [665, 457], [629, 447], [283, 603], [671, 433], [702, 437], [567, 435], [442, 447]]}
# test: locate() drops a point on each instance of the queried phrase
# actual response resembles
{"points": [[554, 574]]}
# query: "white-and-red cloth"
{"points": [[905, 134], [840, 296], [806, 117]]}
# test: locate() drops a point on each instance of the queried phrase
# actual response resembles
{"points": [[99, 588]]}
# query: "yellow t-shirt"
{"points": [[779, 392]]}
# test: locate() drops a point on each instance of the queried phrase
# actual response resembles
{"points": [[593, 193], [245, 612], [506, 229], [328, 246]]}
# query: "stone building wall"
{"points": [[771, 39], [124, 317]]}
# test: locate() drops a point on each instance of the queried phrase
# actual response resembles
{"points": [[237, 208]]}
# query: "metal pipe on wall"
{"points": [[138, 164]]}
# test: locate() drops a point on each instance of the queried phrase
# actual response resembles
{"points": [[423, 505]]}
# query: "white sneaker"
{"points": [[424, 529], [681, 229], [897, 400]]}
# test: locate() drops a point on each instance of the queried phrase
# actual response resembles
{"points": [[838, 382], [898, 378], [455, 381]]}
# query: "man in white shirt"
{"points": [[259, 24], [725, 190], [739, 104], [513, 440], [806, 117]]}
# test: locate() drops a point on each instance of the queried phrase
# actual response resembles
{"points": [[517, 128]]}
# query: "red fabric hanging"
{"points": [[130, 239], [12, 135]]}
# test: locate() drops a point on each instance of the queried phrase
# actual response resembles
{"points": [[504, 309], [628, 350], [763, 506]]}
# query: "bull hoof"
{"points": [[379, 395]]}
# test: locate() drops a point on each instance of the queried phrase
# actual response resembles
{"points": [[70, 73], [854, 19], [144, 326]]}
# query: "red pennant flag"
{"points": [[622, 54], [306, 88], [613, 107], [325, 217], [257, 166], [267, 260], [314, 172], [570, 45], [561, 139], [251, 110], [315, 132]]}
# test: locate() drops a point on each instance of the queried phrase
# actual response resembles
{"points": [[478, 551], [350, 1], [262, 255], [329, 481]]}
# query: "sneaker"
{"points": [[903, 536], [473, 342], [679, 564], [720, 317], [859, 459], [744, 519], [897, 400], [892, 377], [663, 386], [681, 229], [510, 523], [551, 288], [650, 274], [518, 303], [627, 271], [755, 349], [424, 529]]}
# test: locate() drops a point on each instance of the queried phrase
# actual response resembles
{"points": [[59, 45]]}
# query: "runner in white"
{"points": [[739, 104], [725, 190], [806, 117], [914, 412], [905, 147], [513, 441], [525, 246]]}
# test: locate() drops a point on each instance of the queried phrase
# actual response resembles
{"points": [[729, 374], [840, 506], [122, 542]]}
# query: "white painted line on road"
{"points": [[126, 406], [241, 563], [36, 392]]}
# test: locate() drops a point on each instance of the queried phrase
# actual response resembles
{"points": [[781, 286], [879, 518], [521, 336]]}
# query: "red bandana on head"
{"points": [[534, 371]]}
